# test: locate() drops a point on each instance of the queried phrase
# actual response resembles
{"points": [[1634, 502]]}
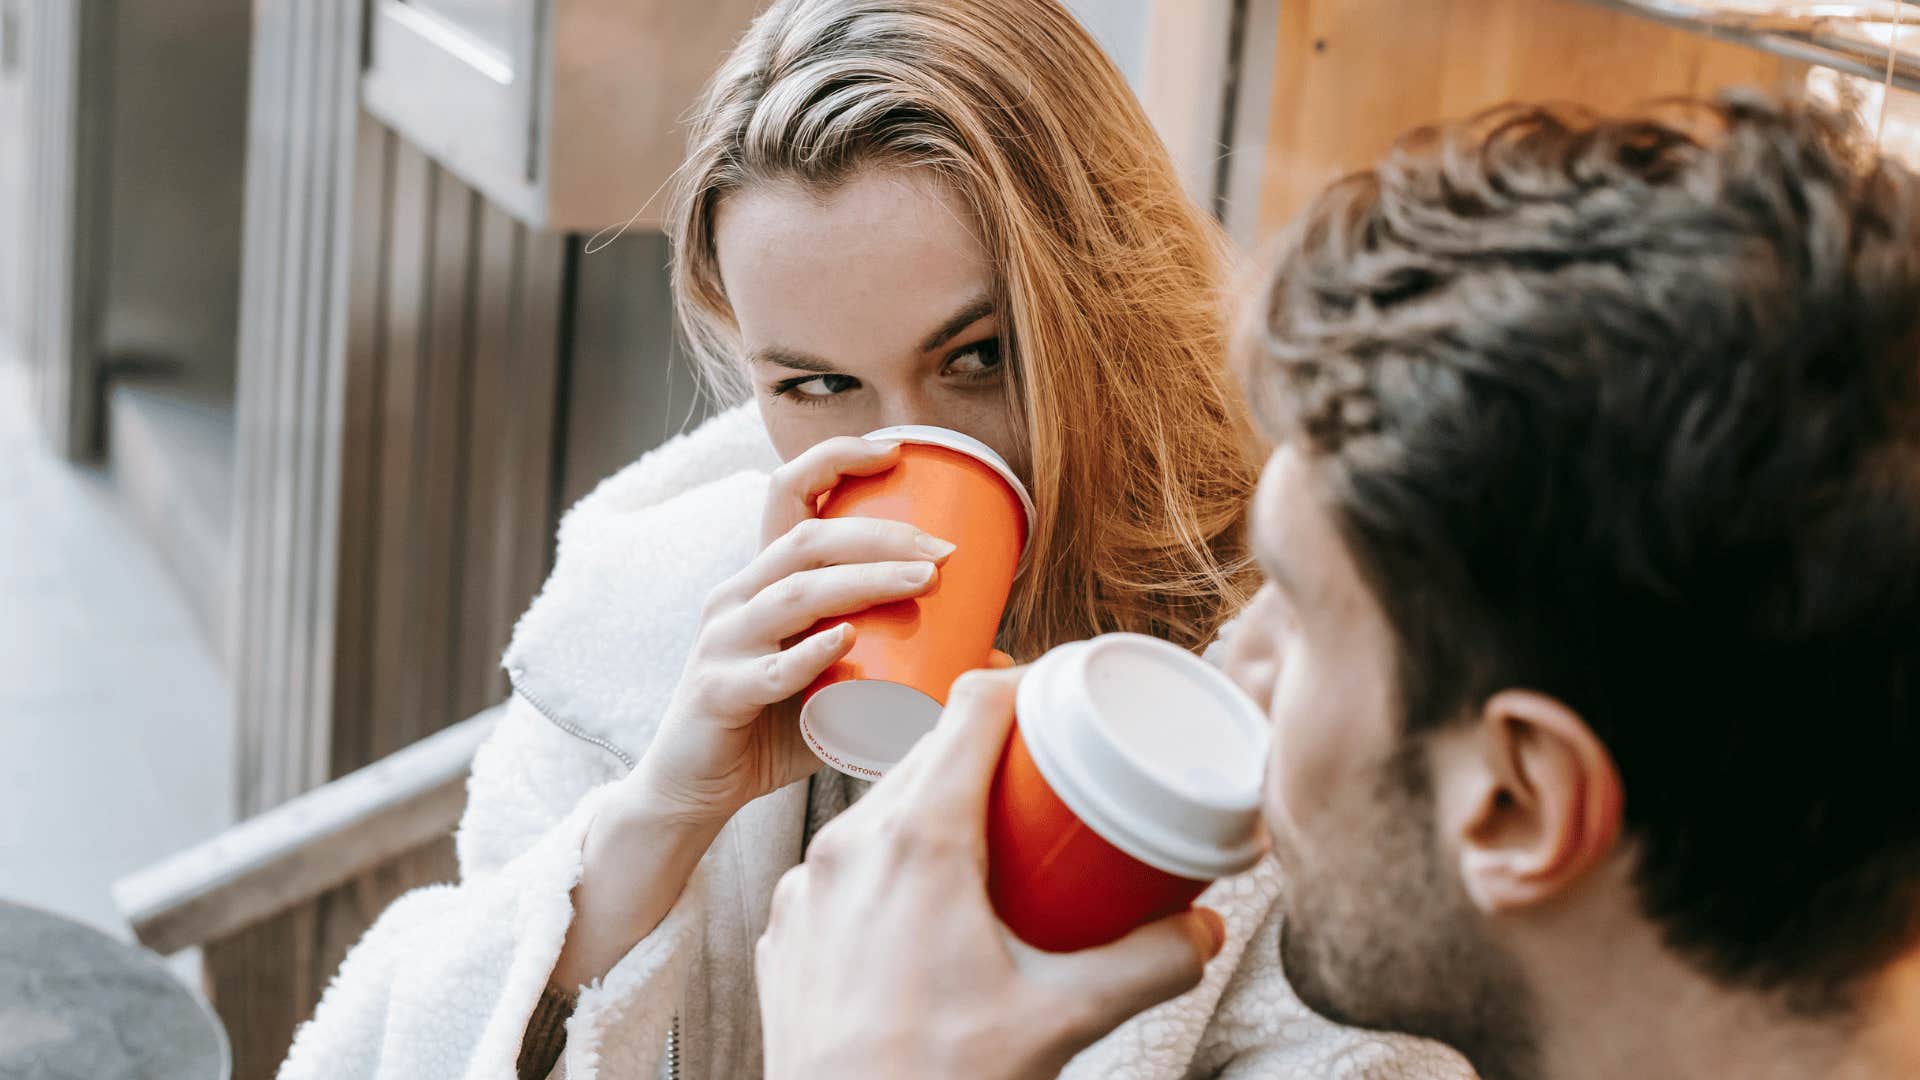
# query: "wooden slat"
{"points": [[253, 373], [291, 392], [334, 227], [305, 846], [445, 418], [395, 634], [252, 342], [247, 979], [280, 497], [539, 423], [486, 582], [314, 318], [364, 371]]}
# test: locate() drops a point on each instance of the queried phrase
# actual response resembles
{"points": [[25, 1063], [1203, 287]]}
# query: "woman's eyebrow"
{"points": [[974, 310], [782, 356]]}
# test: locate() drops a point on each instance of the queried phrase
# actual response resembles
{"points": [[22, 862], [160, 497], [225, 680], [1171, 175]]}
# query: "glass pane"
{"points": [[493, 23]]}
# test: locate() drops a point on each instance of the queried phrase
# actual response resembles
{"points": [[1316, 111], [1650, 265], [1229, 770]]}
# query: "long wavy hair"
{"points": [[1112, 284]]}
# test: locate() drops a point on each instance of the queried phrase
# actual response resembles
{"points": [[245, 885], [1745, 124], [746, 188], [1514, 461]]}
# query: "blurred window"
{"points": [[493, 23]]}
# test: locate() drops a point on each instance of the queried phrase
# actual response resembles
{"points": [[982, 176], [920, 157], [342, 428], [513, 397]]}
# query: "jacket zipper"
{"points": [[673, 1049], [514, 679]]}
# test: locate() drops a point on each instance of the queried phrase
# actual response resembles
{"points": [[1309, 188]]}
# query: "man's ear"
{"points": [[1535, 798]]}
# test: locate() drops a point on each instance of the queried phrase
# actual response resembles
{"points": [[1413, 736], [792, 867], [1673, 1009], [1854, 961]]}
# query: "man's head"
{"points": [[1593, 538]]}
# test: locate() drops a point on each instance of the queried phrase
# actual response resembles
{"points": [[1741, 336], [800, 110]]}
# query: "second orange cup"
{"points": [[866, 711]]}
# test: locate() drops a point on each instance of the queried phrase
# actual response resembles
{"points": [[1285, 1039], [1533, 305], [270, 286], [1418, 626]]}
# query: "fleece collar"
{"points": [[600, 650]]}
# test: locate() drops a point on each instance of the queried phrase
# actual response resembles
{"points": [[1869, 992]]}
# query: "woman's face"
{"points": [[864, 307]]}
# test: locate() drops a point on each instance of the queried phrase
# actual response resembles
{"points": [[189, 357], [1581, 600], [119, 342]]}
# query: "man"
{"points": [[1591, 641]]}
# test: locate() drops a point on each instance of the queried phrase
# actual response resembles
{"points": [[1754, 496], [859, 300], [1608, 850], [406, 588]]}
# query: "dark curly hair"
{"points": [[1628, 411]]}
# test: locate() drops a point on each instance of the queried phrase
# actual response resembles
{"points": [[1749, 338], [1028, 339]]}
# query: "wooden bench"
{"points": [[275, 902]]}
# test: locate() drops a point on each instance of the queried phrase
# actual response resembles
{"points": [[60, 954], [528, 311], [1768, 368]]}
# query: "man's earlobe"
{"points": [[1547, 807]]}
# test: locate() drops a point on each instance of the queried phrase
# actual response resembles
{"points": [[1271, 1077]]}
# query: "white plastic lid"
{"points": [[929, 435], [1153, 748], [863, 727]]}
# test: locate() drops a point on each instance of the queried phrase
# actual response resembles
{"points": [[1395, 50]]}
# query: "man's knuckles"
{"points": [[788, 895], [982, 691]]}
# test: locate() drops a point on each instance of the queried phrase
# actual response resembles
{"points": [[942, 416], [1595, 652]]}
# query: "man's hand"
{"points": [[883, 957]]}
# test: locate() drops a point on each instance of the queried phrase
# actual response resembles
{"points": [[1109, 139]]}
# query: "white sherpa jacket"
{"points": [[443, 985]]}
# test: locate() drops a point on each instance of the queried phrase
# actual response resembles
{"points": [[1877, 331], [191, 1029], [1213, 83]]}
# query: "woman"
{"points": [[894, 211]]}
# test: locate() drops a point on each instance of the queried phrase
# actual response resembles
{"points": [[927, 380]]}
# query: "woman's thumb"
{"points": [[1159, 961]]}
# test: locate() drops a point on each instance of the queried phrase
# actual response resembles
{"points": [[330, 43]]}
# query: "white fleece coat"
{"points": [[443, 984]]}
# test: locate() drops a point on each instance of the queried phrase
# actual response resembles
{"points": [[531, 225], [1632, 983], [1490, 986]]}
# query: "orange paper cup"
{"points": [[865, 712], [1130, 783]]}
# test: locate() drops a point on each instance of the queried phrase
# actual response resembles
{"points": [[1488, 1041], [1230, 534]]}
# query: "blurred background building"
{"points": [[303, 353]]}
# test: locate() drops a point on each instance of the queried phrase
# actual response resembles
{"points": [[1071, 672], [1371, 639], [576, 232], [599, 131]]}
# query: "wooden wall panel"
{"points": [[629, 386], [392, 638], [483, 532], [452, 362], [511, 458], [1350, 76], [400, 348]]}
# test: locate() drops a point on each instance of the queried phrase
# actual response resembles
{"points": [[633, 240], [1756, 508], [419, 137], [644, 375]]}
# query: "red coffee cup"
{"points": [[865, 712], [1131, 782]]}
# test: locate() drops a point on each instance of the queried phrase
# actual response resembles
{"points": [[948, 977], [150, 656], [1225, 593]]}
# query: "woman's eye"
{"points": [[975, 360], [817, 386]]}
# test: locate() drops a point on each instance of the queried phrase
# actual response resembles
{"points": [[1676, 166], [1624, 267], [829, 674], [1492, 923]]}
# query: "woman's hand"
{"points": [[731, 733]]}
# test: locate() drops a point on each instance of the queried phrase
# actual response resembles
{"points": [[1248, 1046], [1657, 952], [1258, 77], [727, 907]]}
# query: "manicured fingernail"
{"points": [[841, 633], [1215, 929], [935, 548], [920, 573]]}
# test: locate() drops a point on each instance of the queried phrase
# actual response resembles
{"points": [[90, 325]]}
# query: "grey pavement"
{"points": [[116, 743]]}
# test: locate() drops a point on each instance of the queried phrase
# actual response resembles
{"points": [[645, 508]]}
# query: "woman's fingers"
{"points": [[796, 602], [821, 542], [755, 684], [798, 485]]}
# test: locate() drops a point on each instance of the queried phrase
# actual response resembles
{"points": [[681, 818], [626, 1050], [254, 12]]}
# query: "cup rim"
{"points": [[831, 706], [947, 438]]}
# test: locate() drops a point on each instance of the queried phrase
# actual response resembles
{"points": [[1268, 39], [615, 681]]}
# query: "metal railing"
{"points": [[1852, 36]]}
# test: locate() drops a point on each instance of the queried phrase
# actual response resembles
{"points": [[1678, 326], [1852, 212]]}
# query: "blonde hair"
{"points": [[1111, 282]]}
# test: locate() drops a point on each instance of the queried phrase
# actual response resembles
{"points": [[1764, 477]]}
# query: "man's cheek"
{"points": [[1289, 794], [1303, 765], [1309, 759], [1278, 841]]}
